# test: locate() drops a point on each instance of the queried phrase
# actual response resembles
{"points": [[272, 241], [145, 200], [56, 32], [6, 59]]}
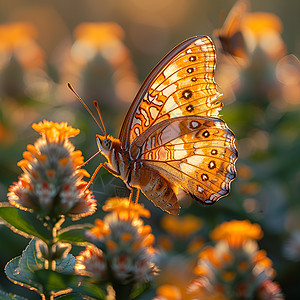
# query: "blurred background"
{"points": [[105, 49]]}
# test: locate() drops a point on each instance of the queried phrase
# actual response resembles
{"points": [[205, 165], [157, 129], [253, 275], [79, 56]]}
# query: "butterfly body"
{"points": [[172, 138], [137, 174]]}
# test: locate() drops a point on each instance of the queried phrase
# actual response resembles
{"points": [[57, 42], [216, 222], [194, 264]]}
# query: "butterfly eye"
{"points": [[107, 144], [103, 144]]}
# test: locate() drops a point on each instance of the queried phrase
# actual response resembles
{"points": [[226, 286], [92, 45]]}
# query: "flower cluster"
{"points": [[122, 245], [235, 267], [52, 183], [19, 39], [182, 233]]}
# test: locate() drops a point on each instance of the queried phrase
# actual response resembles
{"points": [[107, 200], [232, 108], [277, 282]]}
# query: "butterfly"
{"points": [[230, 36], [171, 139]]}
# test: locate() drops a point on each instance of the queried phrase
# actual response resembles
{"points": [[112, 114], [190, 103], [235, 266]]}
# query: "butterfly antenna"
{"points": [[100, 117], [87, 108]]}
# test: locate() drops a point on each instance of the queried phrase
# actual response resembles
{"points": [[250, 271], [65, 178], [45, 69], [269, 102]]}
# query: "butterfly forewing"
{"points": [[195, 154], [181, 84]]}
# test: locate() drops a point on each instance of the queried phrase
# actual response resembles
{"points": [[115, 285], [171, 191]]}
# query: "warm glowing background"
{"points": [[107, 48]]}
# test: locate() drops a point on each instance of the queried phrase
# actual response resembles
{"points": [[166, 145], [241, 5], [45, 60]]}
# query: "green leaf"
{"points": [[24, 222], [74, 234], [89, 289], [66, 265], [9, 296], [21, 269], [29, 261], [140, 290], [55, 281], [27, 270], [71, 296]]}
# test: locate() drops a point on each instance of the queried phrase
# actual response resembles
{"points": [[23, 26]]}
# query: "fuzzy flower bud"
{"points": [[235, 267], [52, 183], [125, 243]]}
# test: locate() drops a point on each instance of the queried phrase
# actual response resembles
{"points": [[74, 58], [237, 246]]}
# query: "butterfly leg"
{"points": [[131, 194], [93, 177], [137, 196], [105, 166], [83, 164]]}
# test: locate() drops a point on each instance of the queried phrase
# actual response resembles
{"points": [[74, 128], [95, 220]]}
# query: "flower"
{"points": [[52, 183], [269, 290], [98, 35], [181, 226], [18, 38], [263, 29], [234, 267], [125, 210], [168, 292], [99, 46], [55, 132], [179, 229], [175, 275], [237, 232], [126, 244], [91, 262]]}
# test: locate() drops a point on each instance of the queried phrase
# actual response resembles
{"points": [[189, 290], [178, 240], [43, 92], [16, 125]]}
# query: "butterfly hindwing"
{"points": [[196, 154], [181, 84]]}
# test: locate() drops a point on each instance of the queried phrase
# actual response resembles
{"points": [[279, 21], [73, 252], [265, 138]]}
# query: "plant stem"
{"points": [[122, 291], [46, 296]]}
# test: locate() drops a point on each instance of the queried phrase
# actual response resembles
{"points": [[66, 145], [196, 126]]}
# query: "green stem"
{"points": [[47, 296], [123, 291], [54, 226]]}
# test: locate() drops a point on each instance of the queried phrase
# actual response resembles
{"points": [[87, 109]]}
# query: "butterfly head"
{"points": [[104, 144]]}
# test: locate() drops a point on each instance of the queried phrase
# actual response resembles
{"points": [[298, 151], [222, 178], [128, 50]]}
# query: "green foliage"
{"points": [[24, 222], [28, 270], [5, 296], [74, 234], [90, 289], [22, 269], [71, 296]]}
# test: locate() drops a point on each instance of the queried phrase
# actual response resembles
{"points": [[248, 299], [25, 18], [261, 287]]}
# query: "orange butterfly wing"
{"points": [[181, 84], [194, 153], [171, 134]]}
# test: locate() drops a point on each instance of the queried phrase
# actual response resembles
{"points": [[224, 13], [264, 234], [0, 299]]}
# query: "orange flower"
{"points": [[100, 230], [19, 38], [234, 267], [264, 29], [169, 292], [55, 132], [125, 209], [91, 262], [262, 22], [125, 241], [15, 34], [210, 254], [181, 226], [237, 232], [98, 34], [52, 182]]}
